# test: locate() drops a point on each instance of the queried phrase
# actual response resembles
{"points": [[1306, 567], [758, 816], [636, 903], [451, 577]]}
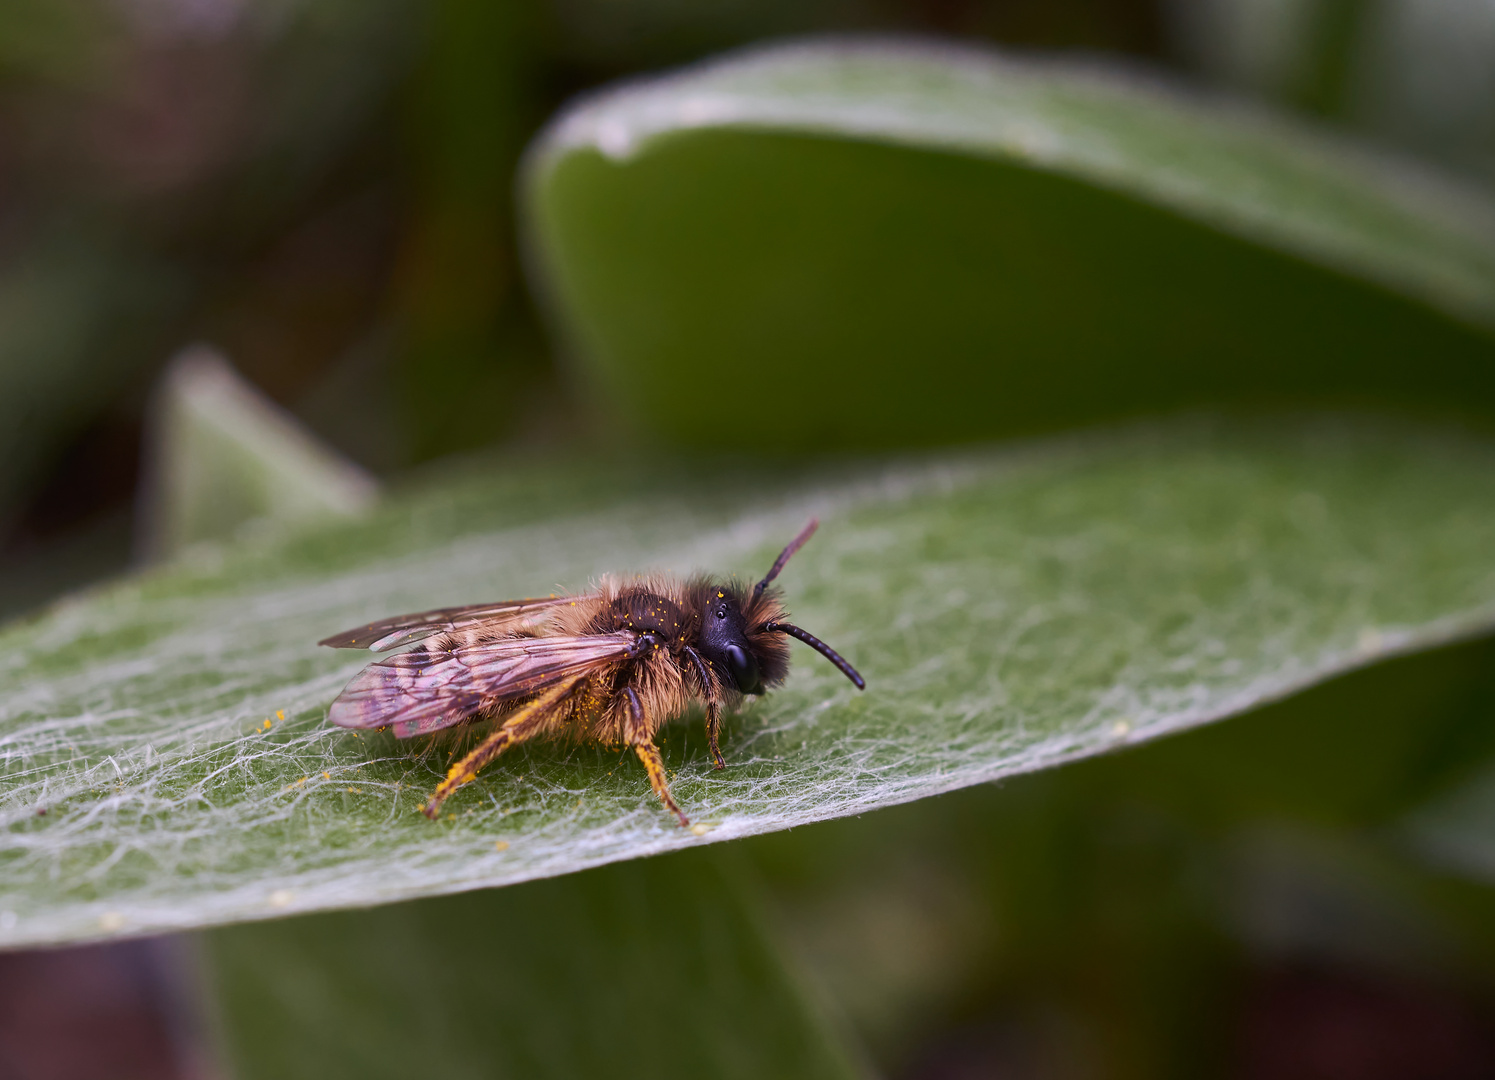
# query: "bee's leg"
{"points": [[713, 731], [648, 753], [527, 721], [711, 691]]}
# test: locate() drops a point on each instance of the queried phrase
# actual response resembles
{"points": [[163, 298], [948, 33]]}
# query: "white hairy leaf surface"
{"points": [[165, 761]]}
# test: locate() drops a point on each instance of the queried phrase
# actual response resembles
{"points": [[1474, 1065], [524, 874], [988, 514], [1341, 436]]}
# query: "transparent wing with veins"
{"points": [[400, 630], [425, 690]]}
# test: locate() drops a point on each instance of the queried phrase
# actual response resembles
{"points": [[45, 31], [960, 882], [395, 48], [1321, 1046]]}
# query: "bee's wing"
{"points": [[400, 630], [419, 691]]}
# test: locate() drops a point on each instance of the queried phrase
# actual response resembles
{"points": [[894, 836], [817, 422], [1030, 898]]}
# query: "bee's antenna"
{"points": [[810, 639], [778, 564]]}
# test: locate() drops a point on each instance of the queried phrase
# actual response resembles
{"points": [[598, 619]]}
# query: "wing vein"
{"points": [[402, 630]]}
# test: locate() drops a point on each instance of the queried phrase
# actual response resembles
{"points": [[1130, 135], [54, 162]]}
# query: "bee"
{"points": [[612, 665]]}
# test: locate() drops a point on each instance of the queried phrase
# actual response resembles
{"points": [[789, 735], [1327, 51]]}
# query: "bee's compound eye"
{"points": [[744, 668]]}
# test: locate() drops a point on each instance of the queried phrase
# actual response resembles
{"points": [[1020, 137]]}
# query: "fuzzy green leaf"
{"points": [[166, 761], [894, 244]]}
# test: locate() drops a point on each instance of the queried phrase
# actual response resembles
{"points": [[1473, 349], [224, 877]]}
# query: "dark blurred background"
{"points": [[323, 190]]}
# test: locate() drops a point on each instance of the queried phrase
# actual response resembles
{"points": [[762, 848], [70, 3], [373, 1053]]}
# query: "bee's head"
{"points": [[725, 642], [742, 632]]}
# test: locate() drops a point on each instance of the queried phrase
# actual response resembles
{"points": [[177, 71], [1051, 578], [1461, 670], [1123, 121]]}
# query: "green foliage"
{"points": [[1117, 910], [886, 245], [824, 247], [646, 970], [224, 457], [1010, 611]]}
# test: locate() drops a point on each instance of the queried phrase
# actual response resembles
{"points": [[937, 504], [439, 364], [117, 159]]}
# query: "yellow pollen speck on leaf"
{"points": [[500, 845], [326, 776], [280, 714], [265, 726]]}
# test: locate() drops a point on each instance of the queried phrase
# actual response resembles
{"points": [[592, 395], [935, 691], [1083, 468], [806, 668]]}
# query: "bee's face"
{"points": [[724, 642]]}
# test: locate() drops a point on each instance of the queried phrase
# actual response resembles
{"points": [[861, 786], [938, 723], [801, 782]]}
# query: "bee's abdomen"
{"points": [[645, 612]]}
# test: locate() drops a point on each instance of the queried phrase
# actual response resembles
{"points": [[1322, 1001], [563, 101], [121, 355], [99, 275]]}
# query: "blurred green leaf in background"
{"points": [[1136, 356], [891, 244]]}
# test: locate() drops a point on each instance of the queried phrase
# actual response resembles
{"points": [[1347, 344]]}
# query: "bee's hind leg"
{"points": [[529, 720], [648, 753]]}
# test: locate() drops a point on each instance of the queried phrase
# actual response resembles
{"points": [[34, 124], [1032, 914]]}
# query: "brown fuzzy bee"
{"points": [[611, 666]]}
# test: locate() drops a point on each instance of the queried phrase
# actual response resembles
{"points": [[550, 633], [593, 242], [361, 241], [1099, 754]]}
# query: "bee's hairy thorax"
{"points": [[645, 611]]}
